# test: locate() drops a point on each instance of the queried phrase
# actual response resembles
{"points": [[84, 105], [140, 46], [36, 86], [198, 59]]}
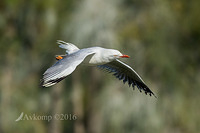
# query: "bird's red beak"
{"points": [[124, 56]]}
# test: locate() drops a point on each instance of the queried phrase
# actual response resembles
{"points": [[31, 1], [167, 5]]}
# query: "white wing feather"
{"points": [[70, 48], [64, 67]]}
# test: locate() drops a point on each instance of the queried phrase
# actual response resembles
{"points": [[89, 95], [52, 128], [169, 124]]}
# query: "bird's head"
{"points": [[103, 56], [115, 54]]}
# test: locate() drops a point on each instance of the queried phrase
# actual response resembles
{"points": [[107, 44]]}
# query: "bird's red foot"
{"points": [[59, 57]]}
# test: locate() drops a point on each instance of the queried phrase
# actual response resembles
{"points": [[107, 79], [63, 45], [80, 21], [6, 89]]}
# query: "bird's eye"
{"points": [[115, 55]]}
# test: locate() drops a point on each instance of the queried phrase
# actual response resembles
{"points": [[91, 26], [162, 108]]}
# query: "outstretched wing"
{"points": [[63, 67], [70, 48], [124, 72]]}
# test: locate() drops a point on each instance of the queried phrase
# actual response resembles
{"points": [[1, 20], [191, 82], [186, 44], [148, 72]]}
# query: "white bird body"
{"points": [[96, 56], [100, 56]]}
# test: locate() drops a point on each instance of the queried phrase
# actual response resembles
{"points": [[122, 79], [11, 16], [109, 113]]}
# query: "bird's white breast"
{"points": [[100, 56]]}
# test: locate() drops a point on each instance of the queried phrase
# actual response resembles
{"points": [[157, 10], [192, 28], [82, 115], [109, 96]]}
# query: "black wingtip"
{"points": [[49, 83], [143, 87], [41, 83]]}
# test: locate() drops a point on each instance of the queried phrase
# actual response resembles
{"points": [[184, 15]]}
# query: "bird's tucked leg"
{"points": [[59, 57]]}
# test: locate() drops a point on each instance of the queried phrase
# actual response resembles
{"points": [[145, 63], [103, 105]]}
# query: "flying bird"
{"points": [[105, 59]]}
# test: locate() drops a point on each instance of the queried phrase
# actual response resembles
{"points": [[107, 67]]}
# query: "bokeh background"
{"points": [[162, 38]]}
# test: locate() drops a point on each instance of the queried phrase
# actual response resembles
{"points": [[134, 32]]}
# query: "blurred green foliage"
{"points": [[162, 38]]}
